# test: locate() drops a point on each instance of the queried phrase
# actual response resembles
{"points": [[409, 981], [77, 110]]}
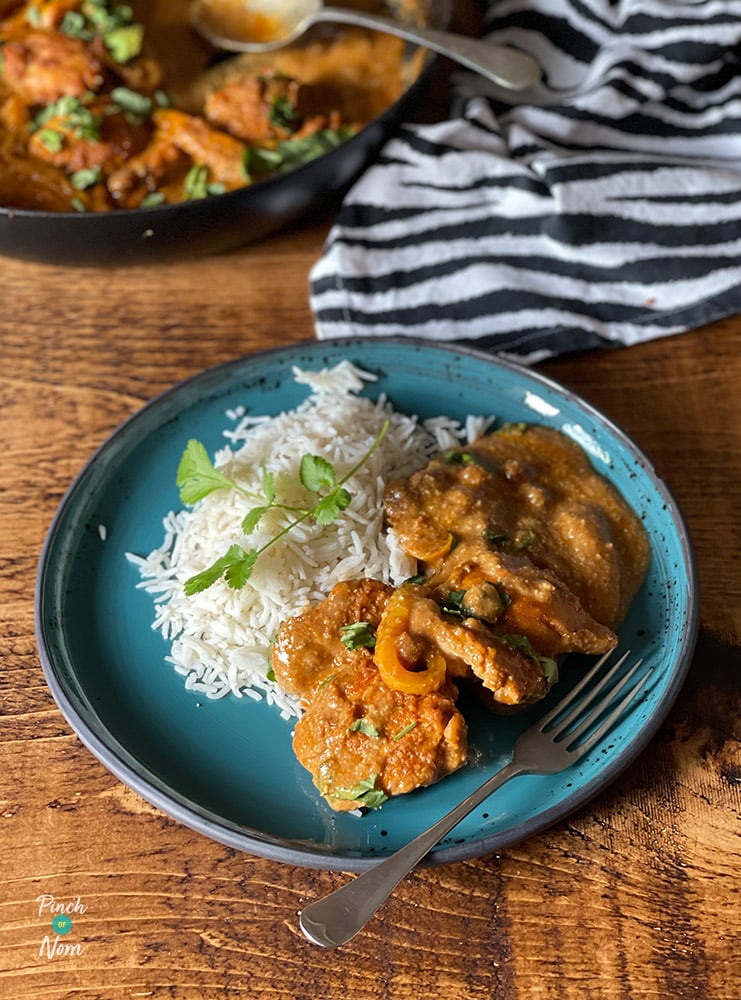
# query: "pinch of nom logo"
{"points": [[56, 944]]}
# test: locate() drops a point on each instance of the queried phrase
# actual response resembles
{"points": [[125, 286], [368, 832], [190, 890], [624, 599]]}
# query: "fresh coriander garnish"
{"points": [[282, 113], [453, 603], [403, 732], [364, 793], [88, 177], [197, 185], [523, 645], [235, 566], [152, 199], [124, 43], [454, 457], [359, 635], [292, 153], [53, 140], [197, 478], [71, 114], [138, 105], [365, 727]]}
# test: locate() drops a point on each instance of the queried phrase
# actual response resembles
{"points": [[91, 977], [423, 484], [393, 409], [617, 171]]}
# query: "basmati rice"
{"points": [[220, 638]]}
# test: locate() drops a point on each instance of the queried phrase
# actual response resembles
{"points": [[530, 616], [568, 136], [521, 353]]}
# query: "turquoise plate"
{"points": [[226, 768]]}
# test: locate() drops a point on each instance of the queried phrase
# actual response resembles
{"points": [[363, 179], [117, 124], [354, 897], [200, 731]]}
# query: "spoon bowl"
{"points": [[265, 25]]}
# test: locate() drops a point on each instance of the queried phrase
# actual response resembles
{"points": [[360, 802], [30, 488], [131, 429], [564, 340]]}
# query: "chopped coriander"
{"points": [[70, 113], [523, 540], [454, 457], [364, 793], [365, 727], [129, 100], [282, 113], [403, 732], [124, 43], [523, 645], [53, 140], [197, 184], [497, 539], [81, 180], [453, 603], [359, 635], [292, 153], [152, 199], [75, 25]]}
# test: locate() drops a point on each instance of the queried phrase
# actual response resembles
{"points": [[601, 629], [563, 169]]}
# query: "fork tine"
{"points": [[614, 715], [566, 702], [594, 712]]}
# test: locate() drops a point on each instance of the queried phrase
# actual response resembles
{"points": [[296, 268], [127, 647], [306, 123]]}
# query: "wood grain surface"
{"points": [[634, 896]]}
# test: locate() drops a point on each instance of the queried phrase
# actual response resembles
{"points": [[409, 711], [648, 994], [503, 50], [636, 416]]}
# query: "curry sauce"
{"points": [[525, 554]]}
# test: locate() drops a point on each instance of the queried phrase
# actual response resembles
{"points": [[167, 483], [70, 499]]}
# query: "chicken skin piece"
{"points": [[516, 597], [472, 650], [178, 142], [309, 647], [42, 67], [533, 491], [265, 109], [363, 742]]}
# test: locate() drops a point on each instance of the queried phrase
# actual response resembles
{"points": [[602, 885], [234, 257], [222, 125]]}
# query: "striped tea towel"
{"points": [[602, 208]]}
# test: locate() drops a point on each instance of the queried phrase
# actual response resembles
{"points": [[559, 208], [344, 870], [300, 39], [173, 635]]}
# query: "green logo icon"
{"points": [[61, 924]]}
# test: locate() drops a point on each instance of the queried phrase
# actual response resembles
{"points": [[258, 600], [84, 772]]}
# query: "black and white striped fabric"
{"points": [[603, 209]]}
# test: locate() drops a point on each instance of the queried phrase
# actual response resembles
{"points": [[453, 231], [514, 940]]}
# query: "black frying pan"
{"points": [[218, 223]]}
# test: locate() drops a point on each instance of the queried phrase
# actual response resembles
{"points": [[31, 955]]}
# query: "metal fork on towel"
{"points": [[560, 738]]}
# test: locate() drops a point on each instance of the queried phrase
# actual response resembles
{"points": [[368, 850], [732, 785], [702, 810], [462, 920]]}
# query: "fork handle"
{"points": [[338, 917]]}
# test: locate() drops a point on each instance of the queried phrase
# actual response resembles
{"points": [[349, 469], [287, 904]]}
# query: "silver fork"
{"points": [[563, 736]]}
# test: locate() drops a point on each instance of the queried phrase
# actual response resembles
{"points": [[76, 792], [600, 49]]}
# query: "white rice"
{"points": [[220, 639]]}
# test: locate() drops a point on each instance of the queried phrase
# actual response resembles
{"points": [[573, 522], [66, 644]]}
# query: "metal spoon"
{"points": [[263, 25]]}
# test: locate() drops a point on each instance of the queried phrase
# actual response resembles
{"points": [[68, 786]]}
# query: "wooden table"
{"points": [[636, 895]]}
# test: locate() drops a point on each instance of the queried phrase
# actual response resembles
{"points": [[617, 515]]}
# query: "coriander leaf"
{"points": [[359, 635], [365, 727], [239, 571], [329, 507], [453, 603], [125, 42], [403, 732], [550, 670], [152, 199], [523, 645], [268, 485], [236, 565], [129, 100], [252, 519], [81, 180], [454, 457], [364, 793], [283, 113], [316, 473], [523, 539], [196, 475]]}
